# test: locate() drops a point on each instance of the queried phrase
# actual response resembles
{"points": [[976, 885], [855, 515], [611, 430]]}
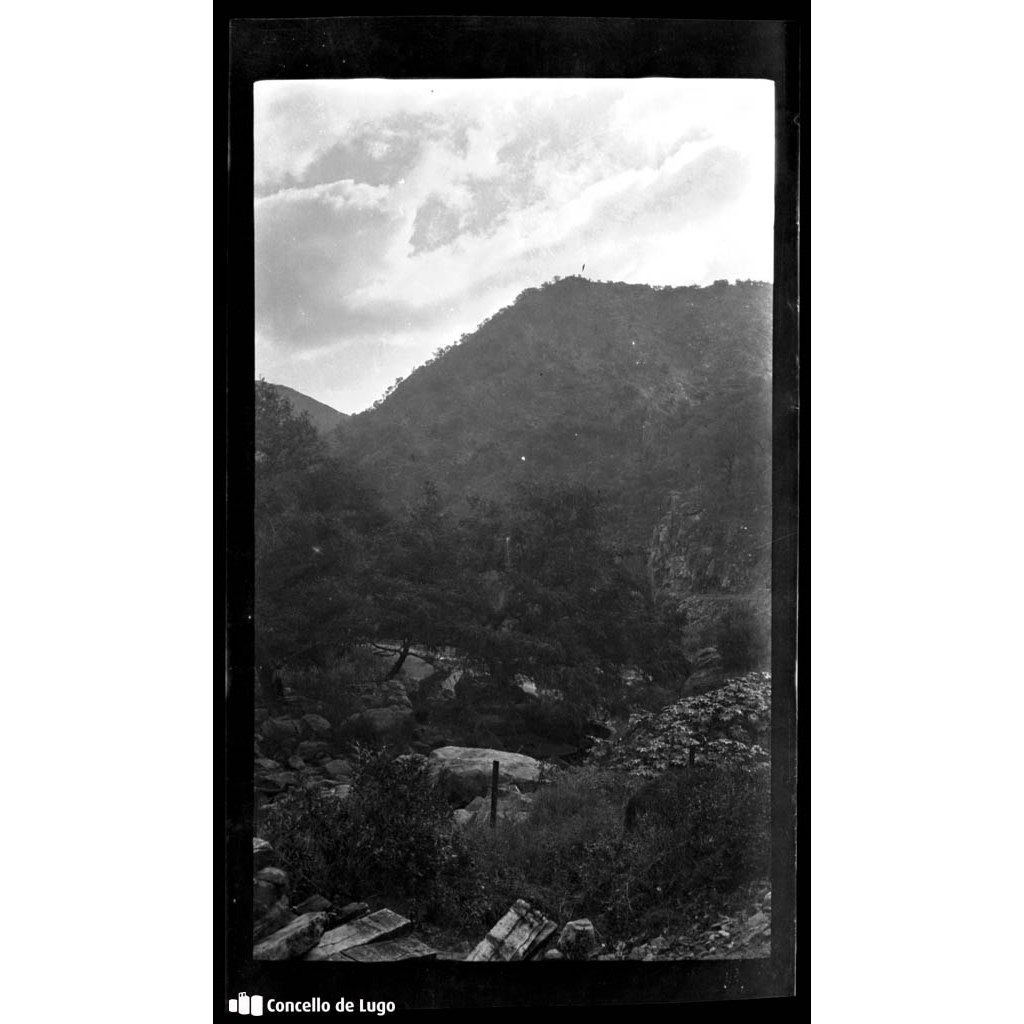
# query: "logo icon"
{"points": [[252, 1005]]}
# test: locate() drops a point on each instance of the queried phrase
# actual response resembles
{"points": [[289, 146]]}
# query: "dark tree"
{"points": [[312, 520]]}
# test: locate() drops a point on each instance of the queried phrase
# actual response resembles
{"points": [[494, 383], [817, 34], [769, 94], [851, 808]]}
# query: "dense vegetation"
{"points": [[629, 390], [528, 587], [703, 838]]}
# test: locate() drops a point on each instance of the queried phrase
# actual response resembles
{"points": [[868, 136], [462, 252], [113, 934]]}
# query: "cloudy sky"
{"points": [[391, 217]]}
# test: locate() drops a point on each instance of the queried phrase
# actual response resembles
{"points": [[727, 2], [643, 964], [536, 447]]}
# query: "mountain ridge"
{"points": [[322, 416], [659, 399], [583, 381]]}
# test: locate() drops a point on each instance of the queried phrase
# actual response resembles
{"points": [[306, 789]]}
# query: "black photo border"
{"points": [[507, 47]]}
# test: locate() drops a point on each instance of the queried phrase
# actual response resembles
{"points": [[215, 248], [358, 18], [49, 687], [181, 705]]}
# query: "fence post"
{"points": [[494, 794]]}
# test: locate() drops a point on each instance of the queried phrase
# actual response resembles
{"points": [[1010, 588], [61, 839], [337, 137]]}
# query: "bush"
{"points": [[553, 719], [561, 856], [572, 857], [312, 833], [394, 836], [406, 836], [714, 819]]}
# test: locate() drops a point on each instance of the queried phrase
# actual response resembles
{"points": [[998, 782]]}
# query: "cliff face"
{"points": [[715, 566]]}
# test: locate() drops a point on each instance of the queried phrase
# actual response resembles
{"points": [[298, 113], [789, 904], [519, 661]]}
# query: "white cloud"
{"points": [[446, 199]]}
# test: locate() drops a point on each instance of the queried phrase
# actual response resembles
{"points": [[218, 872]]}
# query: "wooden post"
{"points": [[494, 794]]}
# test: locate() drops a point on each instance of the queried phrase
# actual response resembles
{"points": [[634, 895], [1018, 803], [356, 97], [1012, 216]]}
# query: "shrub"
{"points": [[406, 837], [714, 819], [699, 835], [553, 719], [311, 832], [563, 856], [394, 836]]}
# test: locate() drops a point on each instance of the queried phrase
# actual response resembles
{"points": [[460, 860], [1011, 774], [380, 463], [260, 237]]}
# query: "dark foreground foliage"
{"points": [[394, 836], [702, 834]]}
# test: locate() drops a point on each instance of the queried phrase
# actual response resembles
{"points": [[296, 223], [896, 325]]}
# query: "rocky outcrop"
{"points": [[715, 567], [316, 726], [338, 769], [285, 733], [388, 724], [465, 772]]}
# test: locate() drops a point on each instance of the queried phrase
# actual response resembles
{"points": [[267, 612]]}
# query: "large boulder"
{"points": [[465, 772], [439, 685], [339, 769], [385, 724], [284, 732], [316, 726]]}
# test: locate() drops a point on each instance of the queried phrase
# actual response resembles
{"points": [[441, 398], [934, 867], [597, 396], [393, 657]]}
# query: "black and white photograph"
{"points": [[500, 327], [521, 690]]}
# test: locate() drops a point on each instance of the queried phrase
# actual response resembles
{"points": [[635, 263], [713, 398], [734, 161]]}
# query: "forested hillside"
{"points": [[322, 416], [656, 399], [631, 390]]}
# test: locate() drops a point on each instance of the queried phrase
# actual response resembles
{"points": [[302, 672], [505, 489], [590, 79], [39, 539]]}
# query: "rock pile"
{"points": [[732, 722], [285, 932]]}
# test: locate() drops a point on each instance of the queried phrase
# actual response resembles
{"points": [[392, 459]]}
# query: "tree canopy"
{"points": [[530, 587]]}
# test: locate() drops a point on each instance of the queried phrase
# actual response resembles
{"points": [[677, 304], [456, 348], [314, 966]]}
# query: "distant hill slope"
{"points": [[323, 417], [653, 396]]}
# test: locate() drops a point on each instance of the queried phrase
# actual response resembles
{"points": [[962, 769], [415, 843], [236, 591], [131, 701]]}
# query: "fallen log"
{"points": [[407, 948], [518, 934], [382, 924]]}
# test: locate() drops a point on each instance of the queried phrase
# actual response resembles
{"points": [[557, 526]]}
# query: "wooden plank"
{"points": [[408, 948], [515, 936], [382, 924]]}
